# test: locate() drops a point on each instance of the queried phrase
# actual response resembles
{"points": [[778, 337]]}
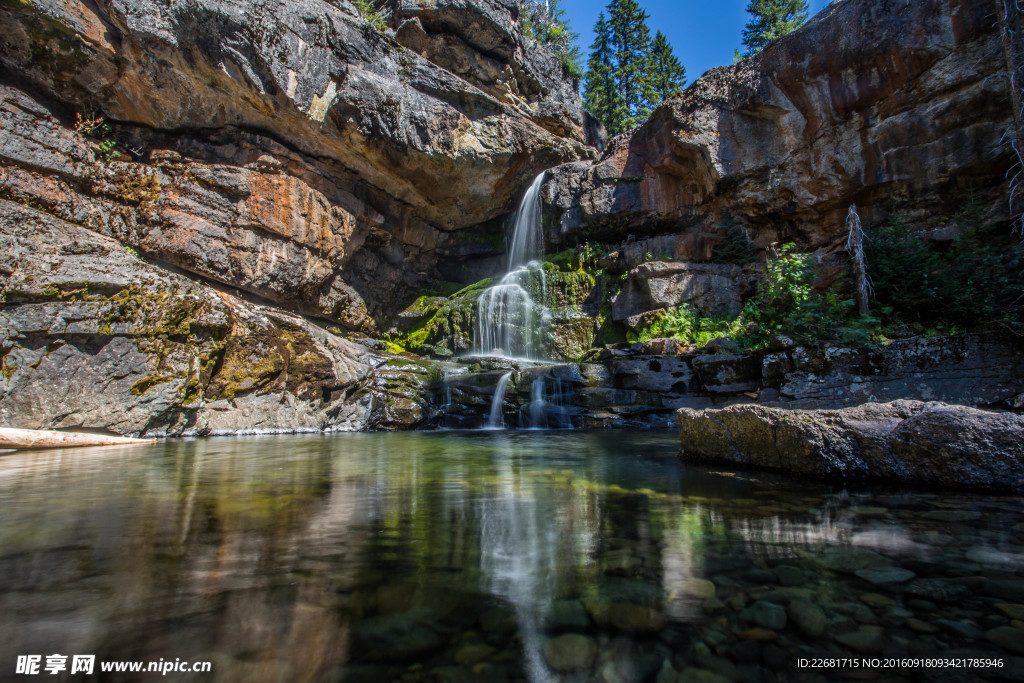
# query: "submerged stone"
{"points": [[866, 639], [883, 576], [766, 614], [570, 652]]}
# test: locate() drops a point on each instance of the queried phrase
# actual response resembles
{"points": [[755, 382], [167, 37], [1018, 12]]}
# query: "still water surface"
{"points": [[489, 556]]}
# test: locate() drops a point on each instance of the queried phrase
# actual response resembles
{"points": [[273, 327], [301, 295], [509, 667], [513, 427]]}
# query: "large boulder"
{"points": [[906, 441], [712, 288], [889, 104]]}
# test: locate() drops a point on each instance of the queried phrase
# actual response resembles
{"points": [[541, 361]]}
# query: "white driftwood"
{"points": [[40, 438]]}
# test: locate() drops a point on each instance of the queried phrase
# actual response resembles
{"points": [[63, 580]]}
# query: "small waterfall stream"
{"points": [[497, 418], [512, 316]]}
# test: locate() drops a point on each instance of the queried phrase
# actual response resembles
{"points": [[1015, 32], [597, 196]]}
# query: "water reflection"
{"points": [[484, 556]]}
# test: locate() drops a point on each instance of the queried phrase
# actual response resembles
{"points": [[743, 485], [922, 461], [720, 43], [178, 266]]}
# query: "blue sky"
{"points": [[703, 33]]}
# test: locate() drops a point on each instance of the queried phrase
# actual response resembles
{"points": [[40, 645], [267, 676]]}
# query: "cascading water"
{"points": [[547, 408], [497, 418], [510, 321]]}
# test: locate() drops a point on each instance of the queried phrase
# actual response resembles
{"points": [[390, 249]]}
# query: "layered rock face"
{"points": [[272, 161], [287, 149], [892, 105], [905, 441]]}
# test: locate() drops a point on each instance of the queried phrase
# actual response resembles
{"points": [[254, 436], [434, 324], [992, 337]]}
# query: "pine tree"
{"points": [[668, 74], [772, 19], [601, 93], [627, 74], [631, 42]]}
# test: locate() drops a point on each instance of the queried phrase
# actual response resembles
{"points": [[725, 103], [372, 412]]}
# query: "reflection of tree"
{"points": [[271, 556]]}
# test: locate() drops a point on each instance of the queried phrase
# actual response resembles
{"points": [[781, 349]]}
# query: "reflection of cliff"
{"points": [[198, 553], [309, 558]]}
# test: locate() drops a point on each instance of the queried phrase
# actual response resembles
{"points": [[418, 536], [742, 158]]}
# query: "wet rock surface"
{"points": [[906, 441]]}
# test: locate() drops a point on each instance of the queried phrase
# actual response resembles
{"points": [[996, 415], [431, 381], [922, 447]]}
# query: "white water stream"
{"points": [[510, 323]]}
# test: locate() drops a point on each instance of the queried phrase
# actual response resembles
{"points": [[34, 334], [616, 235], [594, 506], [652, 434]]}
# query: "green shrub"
{"points": [[974, 281], [789, 304], [371, 14], [734, 245], [689, 326]]}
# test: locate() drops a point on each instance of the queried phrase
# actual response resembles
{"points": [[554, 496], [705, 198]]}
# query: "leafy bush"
{"points": [[690, 327], [546, 23], [371, 14], [786, 304], [789, 304], [973, 281]]}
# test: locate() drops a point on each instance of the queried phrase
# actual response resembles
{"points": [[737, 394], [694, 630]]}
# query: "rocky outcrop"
{"points": [[642, 385], [91, 336], [483, 43], [714, 289], [905, 441], [289, 149], [890, 104]]}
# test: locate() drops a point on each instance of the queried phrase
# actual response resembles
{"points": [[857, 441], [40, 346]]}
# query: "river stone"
{"points": [[627, 616], [883, 576], [1008, 637], [400, 637], [569, 652], [960, 629], [942, 590], [471, 653], [790, 576], [921, 626], [567, 615], [865, 640], [859, 612], [760, 576], [499, 621], [876, 600], [765, 614], [808, 617], [1011, 611], [849, 560], [698, 588], [694, 675]]}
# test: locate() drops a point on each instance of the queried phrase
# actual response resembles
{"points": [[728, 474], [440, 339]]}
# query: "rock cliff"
{"points": [[182, 182], [892, 105], [290, 149]]}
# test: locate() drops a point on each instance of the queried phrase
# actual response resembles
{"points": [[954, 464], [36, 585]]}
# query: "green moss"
{"points": [[147, 383], [138, 189], [8, 371]]}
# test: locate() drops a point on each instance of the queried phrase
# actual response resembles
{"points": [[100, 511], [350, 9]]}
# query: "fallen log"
{"points": [[45, 438]]}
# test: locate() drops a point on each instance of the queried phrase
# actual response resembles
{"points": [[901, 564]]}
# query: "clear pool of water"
{"points": [[492, 556]]}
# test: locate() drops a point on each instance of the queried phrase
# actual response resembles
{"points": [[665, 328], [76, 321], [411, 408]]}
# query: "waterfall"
{"points": [[527, 237], [547, 404], [497, 419], [512, 316], [537, 418]]}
